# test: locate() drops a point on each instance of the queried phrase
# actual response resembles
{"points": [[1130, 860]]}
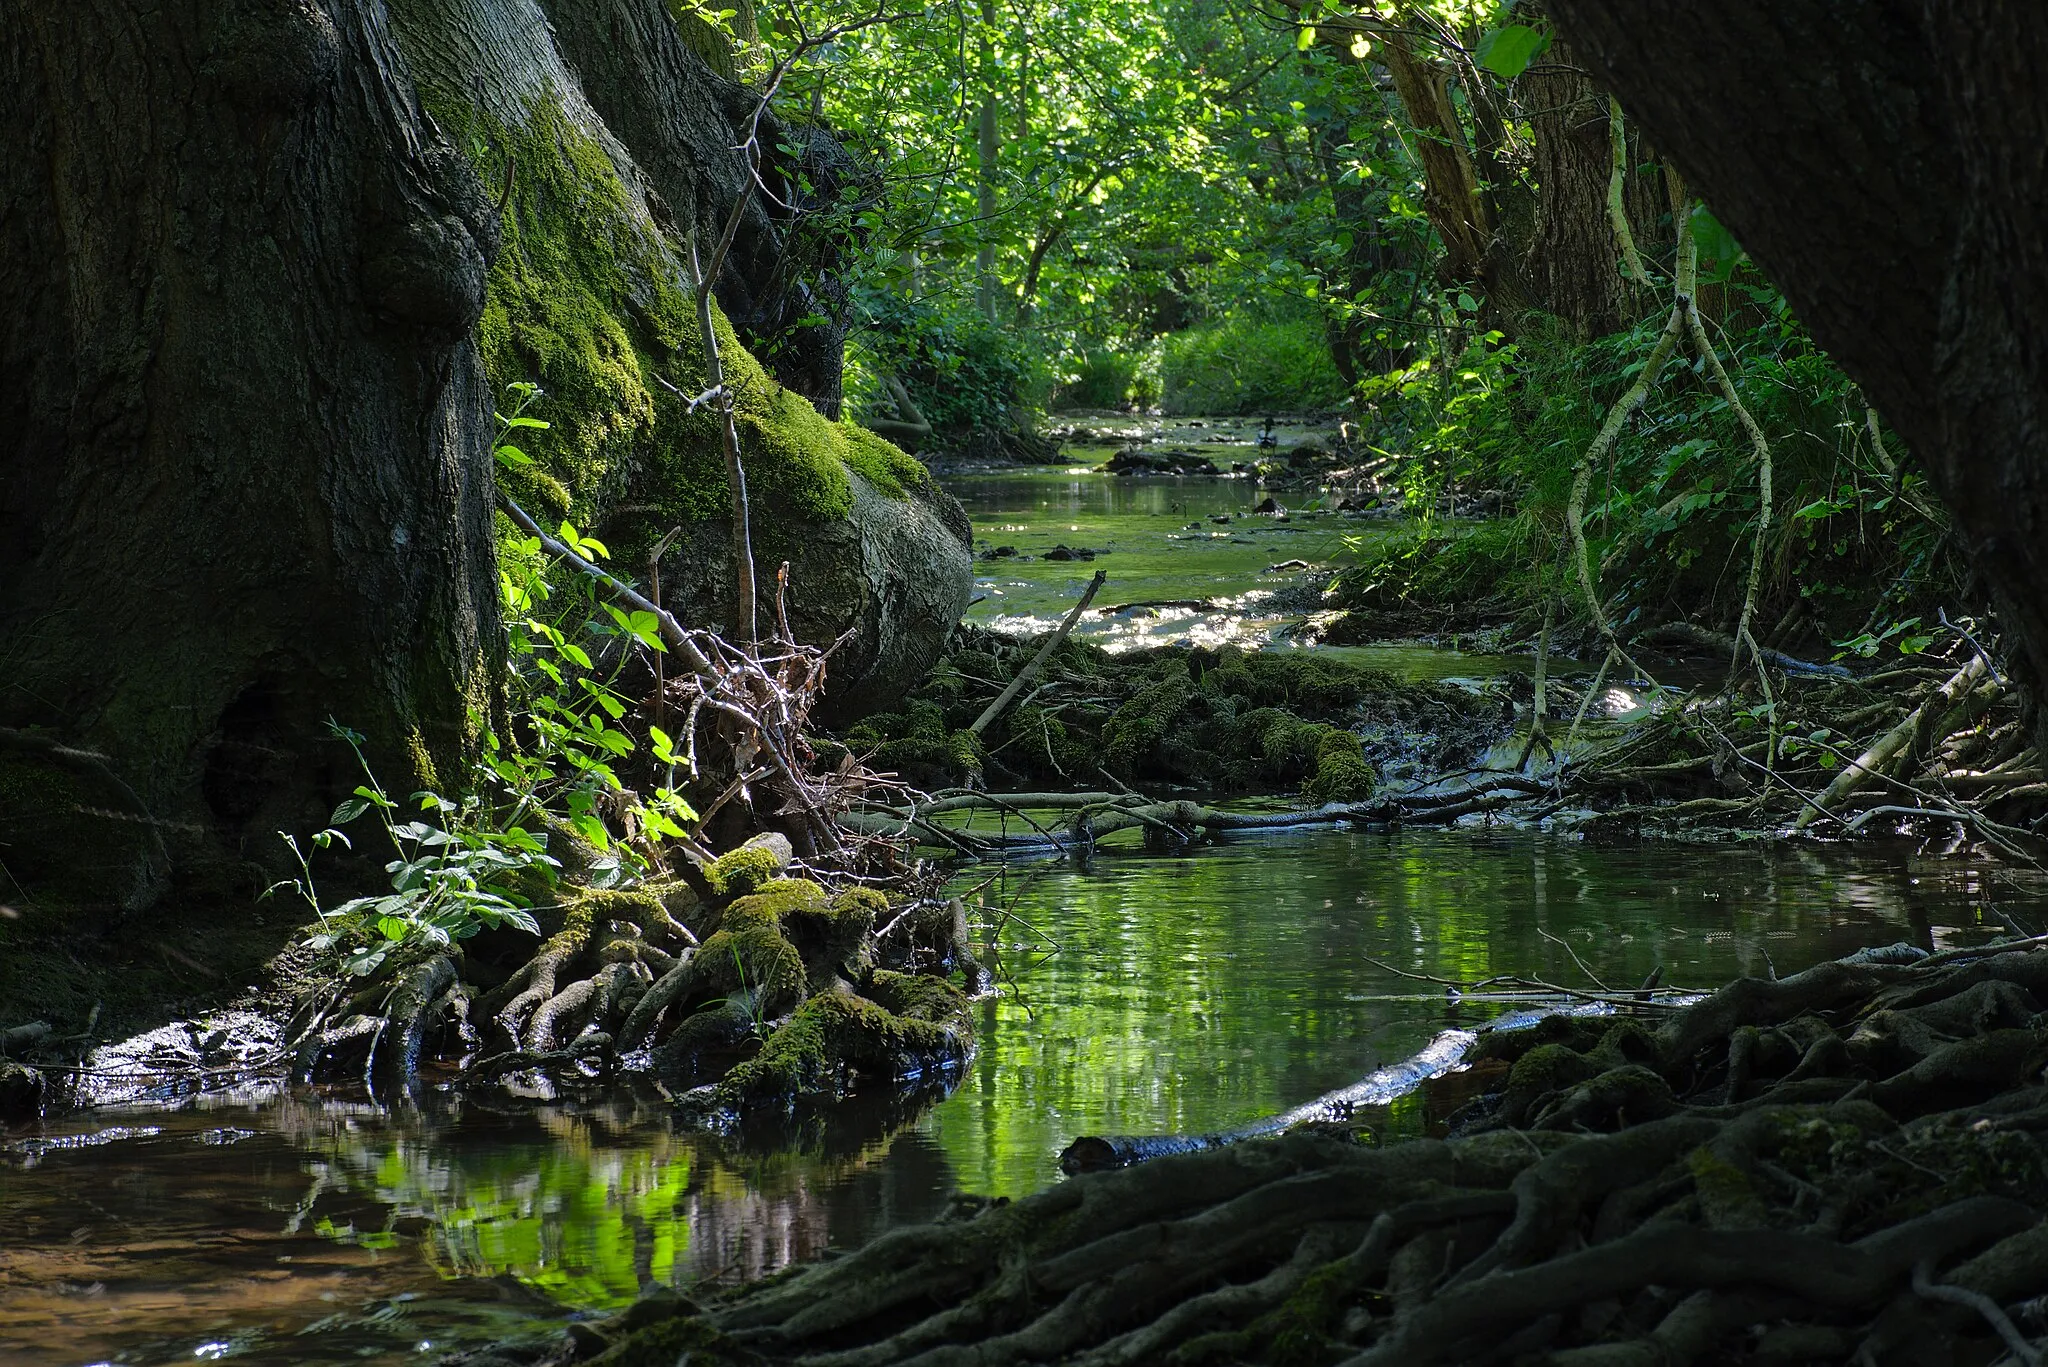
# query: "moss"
{"points": [[586, 300], [1728, 1199], [917, 996], [1035, 736], [739, 872], [596, 906], [1299, 1331], [775, 901], [834, 1039], [927, 721], [757, 961], [882, 464], [880, 727], [669, 1341], [1627, 1042], [1342, 773], [425, 773], [1546, 1069], [1142, 723], [1282, 743], [833, 936], [860, 901]]}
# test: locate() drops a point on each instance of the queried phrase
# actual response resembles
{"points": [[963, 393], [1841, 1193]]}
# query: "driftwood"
{"points": [[1690, 634], [1088, 817]]}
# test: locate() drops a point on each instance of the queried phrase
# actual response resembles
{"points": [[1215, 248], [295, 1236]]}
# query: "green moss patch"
{"points": [[1220, 720], [587, 298]]}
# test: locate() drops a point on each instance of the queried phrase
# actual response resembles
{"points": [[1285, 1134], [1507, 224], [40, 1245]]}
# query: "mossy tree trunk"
{"points": [[618, 142], [262, 263], [245, 482]]}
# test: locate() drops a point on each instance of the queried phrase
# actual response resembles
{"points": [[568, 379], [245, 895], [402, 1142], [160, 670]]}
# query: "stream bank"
{"points": [[1177, 992], [1163, 991]]}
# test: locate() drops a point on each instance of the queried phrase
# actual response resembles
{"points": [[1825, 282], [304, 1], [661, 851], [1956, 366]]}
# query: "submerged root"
{"points": [[1851, 1168]]}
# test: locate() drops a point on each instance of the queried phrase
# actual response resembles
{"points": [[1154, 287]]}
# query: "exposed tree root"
{"points": [[775, 991], [1850, 1168]]}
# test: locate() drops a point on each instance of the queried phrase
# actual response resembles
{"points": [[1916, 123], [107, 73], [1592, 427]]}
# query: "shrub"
{"points": [[1242, 365]]}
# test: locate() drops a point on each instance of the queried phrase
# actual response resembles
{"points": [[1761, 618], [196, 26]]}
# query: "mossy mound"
{"points": [[1223, 720], [787, 1002]]}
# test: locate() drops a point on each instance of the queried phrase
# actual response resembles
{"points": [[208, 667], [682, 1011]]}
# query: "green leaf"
{"points": [[1305, 39], [510, 456], [1720, 253], [663, 744], [1508, 50]]}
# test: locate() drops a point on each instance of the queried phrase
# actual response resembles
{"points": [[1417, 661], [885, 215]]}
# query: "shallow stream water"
{"points": [[1147, 993]]}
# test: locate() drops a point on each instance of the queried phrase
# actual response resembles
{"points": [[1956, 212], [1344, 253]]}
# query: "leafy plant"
{"points": [[452, 877], [463, 860]]}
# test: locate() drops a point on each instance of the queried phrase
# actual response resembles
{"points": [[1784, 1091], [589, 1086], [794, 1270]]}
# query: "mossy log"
{"points": [[1828, 1181]]}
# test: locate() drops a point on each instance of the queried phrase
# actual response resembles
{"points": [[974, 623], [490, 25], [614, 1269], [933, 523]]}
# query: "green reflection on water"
{"points": [[1154, 554], [1189, 992], [1198, 992]]}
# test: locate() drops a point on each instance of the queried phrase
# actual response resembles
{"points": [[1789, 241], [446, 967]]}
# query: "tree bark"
{"points": [[988, 142], [1882, 162], [1451, 193], [1572, 261], [246, 484]]}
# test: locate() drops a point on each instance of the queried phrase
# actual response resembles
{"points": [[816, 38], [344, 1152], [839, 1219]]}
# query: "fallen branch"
{"points": [[1030, 671]]}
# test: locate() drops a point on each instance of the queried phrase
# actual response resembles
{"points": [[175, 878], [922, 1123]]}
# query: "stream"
{"points": [[1146, 993]]}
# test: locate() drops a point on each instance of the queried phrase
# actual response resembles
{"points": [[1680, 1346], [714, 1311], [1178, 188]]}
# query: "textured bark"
{"points": [[1882, 161], [1572, 260], [245, 485], [629, 144], [1451, 193]]}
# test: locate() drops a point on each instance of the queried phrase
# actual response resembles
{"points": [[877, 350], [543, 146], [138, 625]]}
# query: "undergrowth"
{"points": [[1856, 547]]}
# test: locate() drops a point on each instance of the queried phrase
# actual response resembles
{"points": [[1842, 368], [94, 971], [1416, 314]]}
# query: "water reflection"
{"points": [[316, 1229], [1187, 992], [1162, 544], [1198, 992]]}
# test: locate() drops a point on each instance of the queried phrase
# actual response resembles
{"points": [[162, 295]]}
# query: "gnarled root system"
{"points": [[771, 991], [1843, 1166]]}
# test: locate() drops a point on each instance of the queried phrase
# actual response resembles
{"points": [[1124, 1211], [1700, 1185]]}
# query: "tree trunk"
{"points": [[1882, 161], [618, 142], [988, 143], [252, 290], [1572, 263], [246, 485], [1451, 194]]}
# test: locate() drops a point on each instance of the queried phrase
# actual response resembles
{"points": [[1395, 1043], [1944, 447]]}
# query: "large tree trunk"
{"points": [[619, 143], [251, 286], [1882, 161], [1572, 263], [244, 486]]}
